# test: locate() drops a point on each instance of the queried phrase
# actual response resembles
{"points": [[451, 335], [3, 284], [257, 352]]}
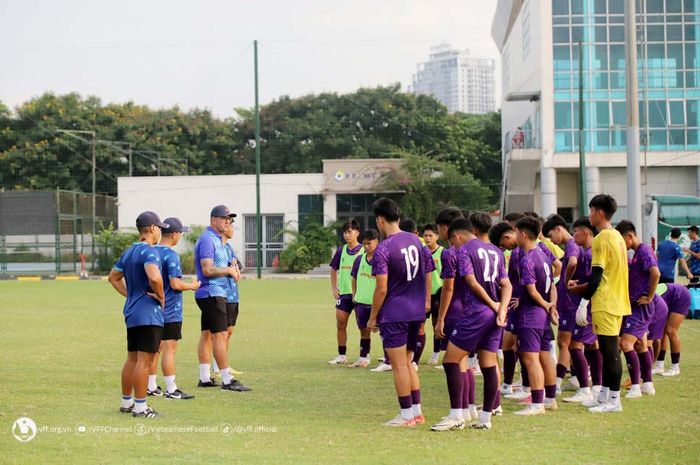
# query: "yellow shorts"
{"points": [[606, 324]]}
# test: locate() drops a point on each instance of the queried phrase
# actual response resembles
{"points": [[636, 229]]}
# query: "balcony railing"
{"points": [[521, 139]]}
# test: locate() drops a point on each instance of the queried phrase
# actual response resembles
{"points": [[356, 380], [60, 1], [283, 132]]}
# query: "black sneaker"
{"points": [[158, 392], [235, 385], [148, 413], [178, 394], [126, 409], [205, 384]]}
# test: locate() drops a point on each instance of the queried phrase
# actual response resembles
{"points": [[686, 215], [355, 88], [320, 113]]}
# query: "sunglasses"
{"points": [[226, 219]]}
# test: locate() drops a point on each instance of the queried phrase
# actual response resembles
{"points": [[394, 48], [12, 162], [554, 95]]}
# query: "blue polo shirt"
{"points": [[232, 295], [140, 309], [669, 252], [209, 245], [694, 263], [171, 268]]}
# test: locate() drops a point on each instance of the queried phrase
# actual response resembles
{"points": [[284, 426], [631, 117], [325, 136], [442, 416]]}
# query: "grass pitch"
{"points": [[62, 345]]}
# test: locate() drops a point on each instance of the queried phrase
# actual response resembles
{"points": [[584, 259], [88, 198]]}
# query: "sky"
{"points": [[200, 53]]}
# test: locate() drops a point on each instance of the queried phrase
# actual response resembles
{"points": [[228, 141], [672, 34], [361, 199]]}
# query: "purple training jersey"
{"points": [[514, 272], [405, 262], [564, 298], [582, 274], [643, 260], [449, 271], [677, 299], [486, 263], [535, 268]]}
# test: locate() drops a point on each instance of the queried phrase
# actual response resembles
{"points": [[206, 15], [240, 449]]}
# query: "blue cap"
{"points": [[150, 219], [222, 211], [175, 225]]}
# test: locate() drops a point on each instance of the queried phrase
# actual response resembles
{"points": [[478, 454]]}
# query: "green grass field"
{"points": [[62, 345]]}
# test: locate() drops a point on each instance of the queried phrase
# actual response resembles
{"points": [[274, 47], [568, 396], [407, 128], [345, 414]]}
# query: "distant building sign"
{"points": [[365, 175]]}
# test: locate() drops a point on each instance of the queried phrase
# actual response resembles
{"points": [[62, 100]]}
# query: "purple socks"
{"points": [[420, 346], [509, 360], [490, 375], [364, 347], [455, 384], [633, 366], [581, 366], [595, 361]]}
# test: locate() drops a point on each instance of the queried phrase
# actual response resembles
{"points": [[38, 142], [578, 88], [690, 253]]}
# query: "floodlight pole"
{"points": [[581, 139], [634, 181], [258, 218]]}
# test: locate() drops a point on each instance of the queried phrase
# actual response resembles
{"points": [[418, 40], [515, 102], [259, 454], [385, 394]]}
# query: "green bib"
{"points": [[346, 262], [435, 275], [661, 289], [364, 293]]}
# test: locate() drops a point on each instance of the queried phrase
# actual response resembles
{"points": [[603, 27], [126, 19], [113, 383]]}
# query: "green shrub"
{"points": [[309, 249], [110, 244]]}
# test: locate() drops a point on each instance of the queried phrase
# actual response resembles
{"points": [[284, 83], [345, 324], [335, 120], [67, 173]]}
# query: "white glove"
{"points": [[582, 313]]}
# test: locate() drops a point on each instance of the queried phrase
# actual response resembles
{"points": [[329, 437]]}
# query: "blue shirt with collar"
{"points": [[210, 246], [140, 309]]}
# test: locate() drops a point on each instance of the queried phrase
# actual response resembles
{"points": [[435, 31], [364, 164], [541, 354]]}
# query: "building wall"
{"points": [[191, 197]]}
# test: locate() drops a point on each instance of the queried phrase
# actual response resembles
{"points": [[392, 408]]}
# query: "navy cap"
{"points": [[175, 225], [221, 211], [149, 219]]}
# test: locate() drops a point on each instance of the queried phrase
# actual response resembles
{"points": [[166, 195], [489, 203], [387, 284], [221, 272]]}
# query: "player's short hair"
{"points": [[675, 233], [606, 203], [552, 222], [350, 223], [369, 235], [430, 227], [529, 225], [531, 214], [624, 227], [144, 229], [387, 209], [481, 221], [460, 224], [408, 225], [497, 231], [446, 215], [693, 229], [513, 217], [585, 222]]}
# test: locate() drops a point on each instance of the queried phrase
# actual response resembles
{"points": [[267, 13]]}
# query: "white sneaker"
{"points": [[480, 425], [592, 402], [607, 407], [381, 368], [658, 369], [506, 389], [362, 362], [339, 360], [448, 424], [439, 367], [399, 422], [415, 366], [473, 413], [497, 412], [551, 404], [634, 392], [433, 360], [532, 409], [595, 391], [518, 395], [580, 396], [558, 392], [573, 382], [671, 372], [648, 389]]}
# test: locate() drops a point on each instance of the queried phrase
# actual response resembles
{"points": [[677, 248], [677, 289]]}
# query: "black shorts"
{"points": [[434, 305], [144, 338], [232, 313], [214, 317], [667, 280], [172, 331]]}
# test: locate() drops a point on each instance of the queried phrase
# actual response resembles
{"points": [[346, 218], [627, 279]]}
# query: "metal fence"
{"points": [[51, 231]]}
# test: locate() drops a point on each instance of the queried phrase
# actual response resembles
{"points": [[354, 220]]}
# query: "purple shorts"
{"points": [[637, 324], [567, 320], [677, 300], [362, 312], [512, 321], [658, 322], [400, 333], [477, 331], [448, 328], [585, 334], [345, 303], [534, 340]]}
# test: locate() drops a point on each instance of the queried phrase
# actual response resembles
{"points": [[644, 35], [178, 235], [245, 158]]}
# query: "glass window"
{"points": [[343, 202], [689, 6], [600, 81], [560, 7], [602, 115], [617, 57], [691, 32], [618, 139], [656, 55], [616, 7], [562, 57], [600, 57], [617, 81], [602, 141], [619, 113], [673, 6], [562, 141], [599, 7], [654, 6], [692, 79], [676, 138], [576, 34], [674, 32], [691, 56], [560, 20], [562, 115], [655, 33], [691, 111], [675, 56], [657, 114], [617, 33], [600, 34], [561, 35], [693, 139], [657, 138], [576, 7], [562, 81]]}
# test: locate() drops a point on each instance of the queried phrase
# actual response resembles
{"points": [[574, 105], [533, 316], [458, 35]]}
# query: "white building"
{"points": [[461, 82], [346, 188], [539, 45]]}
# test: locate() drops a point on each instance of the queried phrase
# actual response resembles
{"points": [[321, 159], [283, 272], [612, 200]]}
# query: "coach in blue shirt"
{"points": [[668, 253], [694, 252], [137, 276], [213, 270]]}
